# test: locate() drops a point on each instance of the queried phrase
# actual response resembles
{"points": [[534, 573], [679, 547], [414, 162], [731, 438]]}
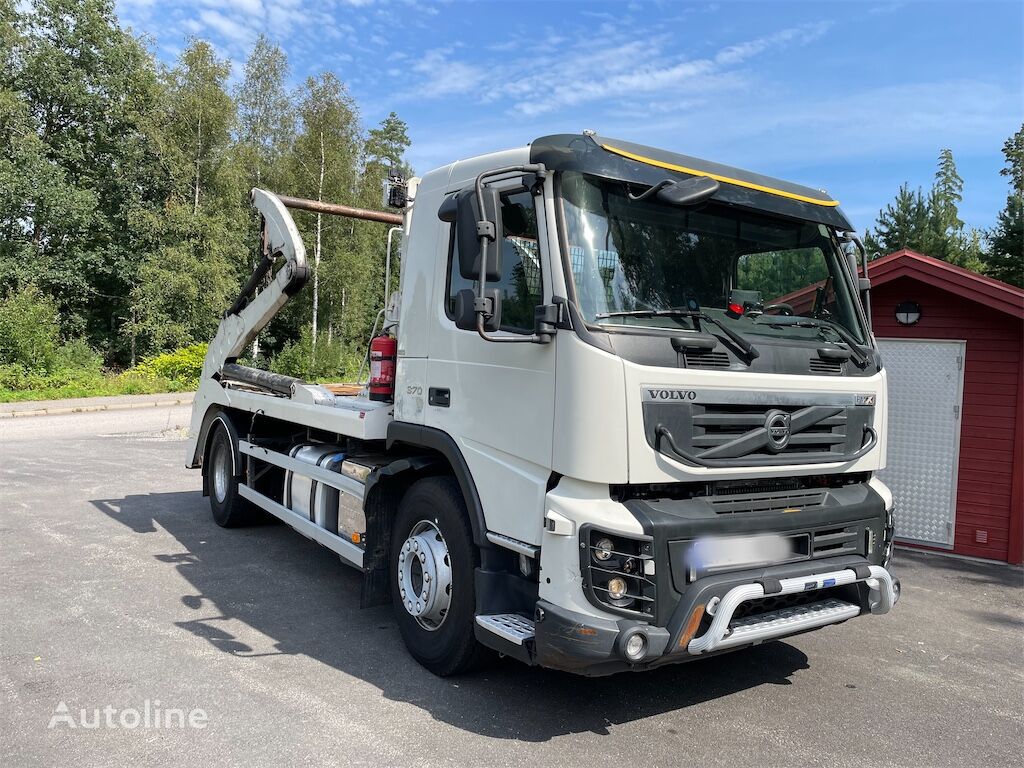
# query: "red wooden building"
{"points": [[956, 436]]}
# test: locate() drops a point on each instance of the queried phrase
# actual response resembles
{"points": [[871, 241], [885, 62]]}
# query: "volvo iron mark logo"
{"points": [[778, 425]]}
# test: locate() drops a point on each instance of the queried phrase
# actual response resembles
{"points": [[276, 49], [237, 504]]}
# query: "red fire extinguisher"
{"points": [[383, 352]]}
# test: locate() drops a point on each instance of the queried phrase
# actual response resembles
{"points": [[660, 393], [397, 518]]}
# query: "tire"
{"points": [[229, 509], [432, 526]]}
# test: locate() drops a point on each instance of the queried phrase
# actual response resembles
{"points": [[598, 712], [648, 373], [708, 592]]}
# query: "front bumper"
{"points": [[707, 624]]}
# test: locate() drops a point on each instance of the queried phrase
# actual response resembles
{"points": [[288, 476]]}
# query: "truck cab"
{"points": [[637, 416]]}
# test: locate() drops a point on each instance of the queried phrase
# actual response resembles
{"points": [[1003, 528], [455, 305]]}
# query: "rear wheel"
{"points": [[229, 509], [433, 563]]}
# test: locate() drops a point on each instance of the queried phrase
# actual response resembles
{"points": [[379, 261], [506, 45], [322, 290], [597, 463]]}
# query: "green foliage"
{"points": [[1005, 257], [29, 334], [17, 384], [777, 273], [266, 126], [77, 158], [903, 223], [931, 223], [182, 365], [123, 197], [331, 361]]}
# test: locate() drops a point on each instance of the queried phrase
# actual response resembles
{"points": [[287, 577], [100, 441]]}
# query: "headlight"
{"points": [[618, 572], [617, 588], [603, 549], [635, 647]]}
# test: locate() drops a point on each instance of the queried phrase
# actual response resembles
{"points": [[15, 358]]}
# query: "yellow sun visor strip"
{"points": [[723, 179]]}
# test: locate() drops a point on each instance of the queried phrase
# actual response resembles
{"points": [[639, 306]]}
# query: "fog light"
{"points": [[617, 588], [603, 549], [636, 647]]}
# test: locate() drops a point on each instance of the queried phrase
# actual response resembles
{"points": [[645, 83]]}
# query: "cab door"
{"points": [[496, 400]]}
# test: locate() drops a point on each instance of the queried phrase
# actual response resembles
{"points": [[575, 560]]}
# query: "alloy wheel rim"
{"points": [[425, 575]]}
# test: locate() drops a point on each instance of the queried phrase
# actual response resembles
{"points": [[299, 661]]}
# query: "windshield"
{"points": [[632, 259]]}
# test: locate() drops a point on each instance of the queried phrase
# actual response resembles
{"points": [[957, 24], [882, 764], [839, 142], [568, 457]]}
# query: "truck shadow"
{"points": [[306, 602]]}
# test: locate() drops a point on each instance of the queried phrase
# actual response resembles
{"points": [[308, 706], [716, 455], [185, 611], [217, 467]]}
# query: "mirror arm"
{"points": [[864, 282], [485, 231]]}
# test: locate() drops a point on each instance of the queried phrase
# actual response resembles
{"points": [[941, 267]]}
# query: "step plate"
{"points": [[510, 626], [784, 621]]}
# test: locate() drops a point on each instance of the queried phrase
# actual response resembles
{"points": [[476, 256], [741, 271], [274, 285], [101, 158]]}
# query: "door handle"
{"points": [[439, 396]]}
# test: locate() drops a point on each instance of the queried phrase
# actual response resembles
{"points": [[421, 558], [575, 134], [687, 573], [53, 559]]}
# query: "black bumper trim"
{"points": [[588, 645]]}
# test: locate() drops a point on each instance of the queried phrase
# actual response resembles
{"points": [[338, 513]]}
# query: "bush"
{"points": [[29, 336], [184, 366], [332, 362], [77, 355], [77, 371]]}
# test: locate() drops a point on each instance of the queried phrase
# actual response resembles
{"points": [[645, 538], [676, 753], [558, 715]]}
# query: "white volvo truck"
{"points": [[637, 413]]}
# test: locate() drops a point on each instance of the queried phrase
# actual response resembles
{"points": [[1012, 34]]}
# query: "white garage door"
{"points": [[925, 397]]}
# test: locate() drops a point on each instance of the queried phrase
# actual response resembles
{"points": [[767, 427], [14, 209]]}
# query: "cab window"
{"points": [[520, 286]]}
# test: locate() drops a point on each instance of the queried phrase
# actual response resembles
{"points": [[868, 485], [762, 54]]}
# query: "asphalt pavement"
{"points": [[121, 603]]}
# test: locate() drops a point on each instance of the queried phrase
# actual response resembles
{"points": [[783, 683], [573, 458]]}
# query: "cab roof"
{"points": [[635, 163]]}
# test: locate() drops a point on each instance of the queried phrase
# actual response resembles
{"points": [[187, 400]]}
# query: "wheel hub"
{"points": [[425, 575]]}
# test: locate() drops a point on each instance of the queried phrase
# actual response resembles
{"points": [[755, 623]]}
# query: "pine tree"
{"points": [[903, 223], [1005, 257], [930, 225], [943, 209]]}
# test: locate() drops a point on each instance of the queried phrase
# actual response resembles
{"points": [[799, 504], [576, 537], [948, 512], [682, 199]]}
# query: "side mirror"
{"points": [[683, 193], [465, 310], [467, 232], [688, 192]]}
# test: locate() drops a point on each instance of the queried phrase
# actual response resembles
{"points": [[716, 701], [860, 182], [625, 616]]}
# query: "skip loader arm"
{"points": [[252, 310]]}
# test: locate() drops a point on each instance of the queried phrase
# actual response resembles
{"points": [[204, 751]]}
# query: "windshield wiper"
{"points": [[795, 321], [747, 348]]}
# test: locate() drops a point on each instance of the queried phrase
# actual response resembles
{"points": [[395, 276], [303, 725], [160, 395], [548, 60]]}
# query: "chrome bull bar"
{"points": [[725, 633]]}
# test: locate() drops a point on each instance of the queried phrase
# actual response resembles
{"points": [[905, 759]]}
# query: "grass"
{"points": [[108, 385], [88, 383], [79, 373]]}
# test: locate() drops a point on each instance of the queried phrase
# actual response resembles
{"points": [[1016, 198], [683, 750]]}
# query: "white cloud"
{"points": [[444, 77], [251, 7], [560, 76], [741, 52], [228, 27]]}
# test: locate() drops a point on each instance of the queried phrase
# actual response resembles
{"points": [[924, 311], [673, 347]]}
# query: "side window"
{"points": [[520, 285]]}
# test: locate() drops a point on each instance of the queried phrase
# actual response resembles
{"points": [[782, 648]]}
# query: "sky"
{"points": [[851, 97]]}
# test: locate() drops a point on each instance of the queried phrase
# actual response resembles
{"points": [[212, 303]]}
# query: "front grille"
{"points": [[836, 541], [779, 501], [726, 427], [715, 427], [706, 360]]}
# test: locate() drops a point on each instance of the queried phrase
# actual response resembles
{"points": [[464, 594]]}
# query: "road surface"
{"points": [[118, 593]]}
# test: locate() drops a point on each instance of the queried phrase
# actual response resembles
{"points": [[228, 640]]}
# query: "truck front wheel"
{"points": [[229, 509], [433, 561]]}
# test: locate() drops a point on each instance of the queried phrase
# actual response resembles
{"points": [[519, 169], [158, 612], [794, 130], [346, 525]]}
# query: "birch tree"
{"points": [[266, 122], [324, 158]]}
